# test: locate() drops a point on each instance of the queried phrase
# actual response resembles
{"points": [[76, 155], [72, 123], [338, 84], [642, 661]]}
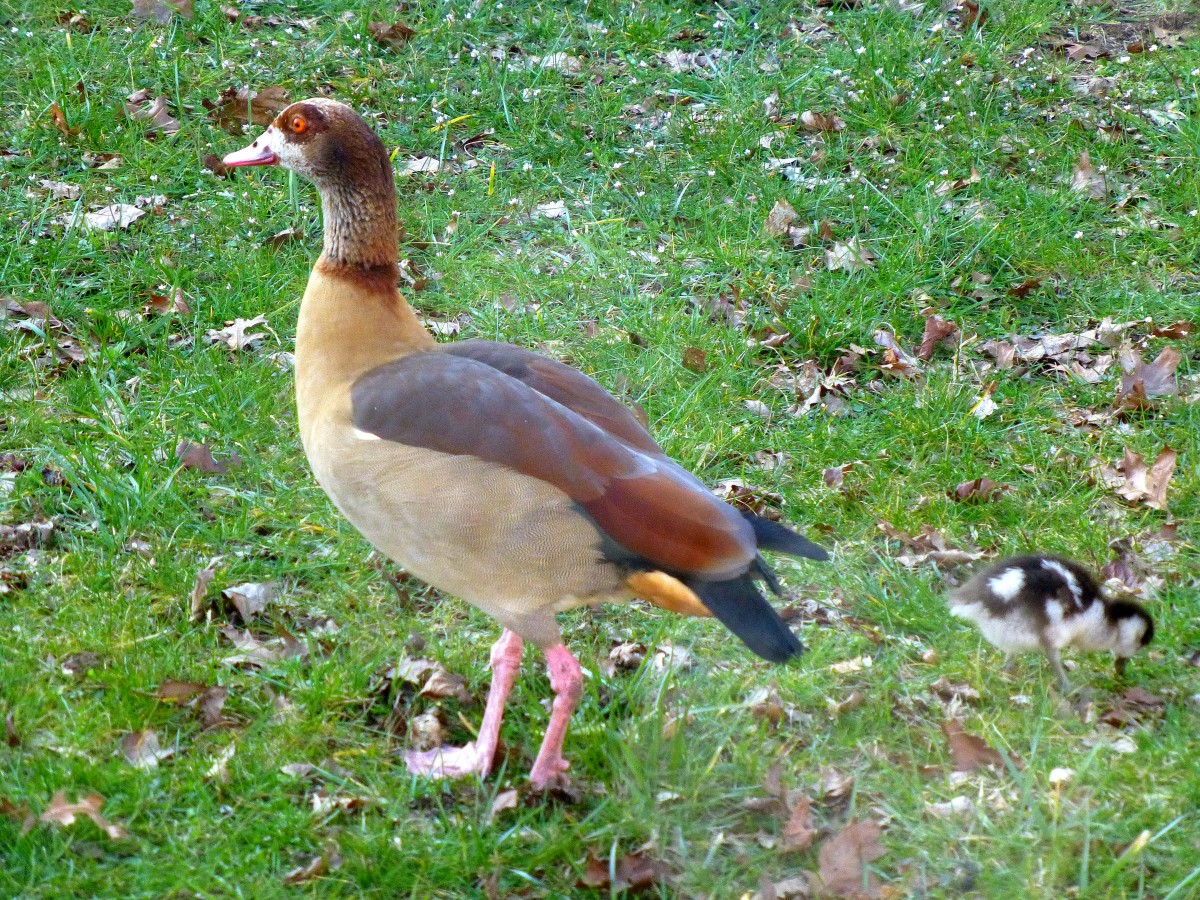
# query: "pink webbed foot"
{"points": [[447, 762], [476, 757], [566, 678]]}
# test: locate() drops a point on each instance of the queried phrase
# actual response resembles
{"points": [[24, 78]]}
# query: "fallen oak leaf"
{"points": [[843, 858], [1086, 179], [319, 865], [953, 186], [504, 800], [200, 457], [1144, 484], [165, 304], [178, 691], [236, 335], [142, 750], [937, 330], [143, 106], [781, 216], [632, 872], [236, 107], [200, 589], [850, 256], [967, 751], [62, 812], [104, 218], [251, 598], [60, 120], [1142, 381], [977, 490], [442, 684], [825, 122], [1177, 330], [798, 832], [161, 12], [393, 35]]}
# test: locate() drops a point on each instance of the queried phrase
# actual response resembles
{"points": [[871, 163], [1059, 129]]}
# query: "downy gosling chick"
{"points": [[1046, 603]]}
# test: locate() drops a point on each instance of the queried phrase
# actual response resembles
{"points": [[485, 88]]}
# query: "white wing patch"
{"points": [[1007, 584], [1067, 575]]}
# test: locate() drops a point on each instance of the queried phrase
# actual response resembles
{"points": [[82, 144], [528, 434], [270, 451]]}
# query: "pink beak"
{"points": [[257, 154]]}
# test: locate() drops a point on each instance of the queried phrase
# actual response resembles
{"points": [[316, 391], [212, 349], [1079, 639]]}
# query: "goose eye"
{"points": [[299, 124]]}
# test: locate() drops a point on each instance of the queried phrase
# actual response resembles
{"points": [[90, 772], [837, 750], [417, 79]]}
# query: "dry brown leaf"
{"points": [[161, 11], [60, 189], [142, 750], [562, 63], [25, 536], [1142, 381], [60, 120], [442, 684], [967, 751], [256, 653], [242, 106], [200, 590], [1147, 484], [695, 360], [199, 457], [104, 218], [1086, 179], [815, 121], [695, 61], [319, 865], [179, 691], [236, 335], [62, 812], [11, 737], [212, 702], [948, 691], [973, 15], [393, 35], [165, 304], [251, 598], [850, 256], [977, 490], [505, 800], [937, 330], [634, 872], [1177, 330], [143, 106], [780, 217], [843, 858], [953, 186], [798, 832], [834, 476], [896, 360]]}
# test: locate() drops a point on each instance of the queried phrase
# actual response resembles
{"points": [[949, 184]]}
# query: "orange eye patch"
{"points": [[299, 124]]}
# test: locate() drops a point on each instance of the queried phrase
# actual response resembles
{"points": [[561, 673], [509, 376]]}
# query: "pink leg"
{"points": [[476, 757], [566, 678]]}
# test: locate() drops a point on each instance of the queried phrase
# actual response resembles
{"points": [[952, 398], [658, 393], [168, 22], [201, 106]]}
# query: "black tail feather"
{"points": [[760, 569], [781, 539], [744, 611]]}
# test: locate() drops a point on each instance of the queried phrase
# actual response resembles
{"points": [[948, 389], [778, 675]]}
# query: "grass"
{"points": [[666, 189]]}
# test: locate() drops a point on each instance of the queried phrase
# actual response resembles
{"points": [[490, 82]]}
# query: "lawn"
{"points": [[743, 218]]}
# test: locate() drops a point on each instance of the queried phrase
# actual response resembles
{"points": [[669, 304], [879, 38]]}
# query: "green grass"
{"points": [[653, 231]]}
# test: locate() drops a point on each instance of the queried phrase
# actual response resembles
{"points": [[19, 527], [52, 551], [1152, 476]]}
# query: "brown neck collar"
{"points": [[361, 229]]}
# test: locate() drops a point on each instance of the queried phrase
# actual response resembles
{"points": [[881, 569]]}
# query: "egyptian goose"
{"points": [[1046, 603], [491, 472]]}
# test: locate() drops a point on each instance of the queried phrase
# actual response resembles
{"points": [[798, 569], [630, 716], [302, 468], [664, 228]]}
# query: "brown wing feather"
{"points": [[560, 383], [642, 501]]}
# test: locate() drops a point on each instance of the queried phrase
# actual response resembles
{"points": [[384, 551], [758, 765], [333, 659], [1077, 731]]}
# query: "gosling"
{"points": [[1046, 603]]}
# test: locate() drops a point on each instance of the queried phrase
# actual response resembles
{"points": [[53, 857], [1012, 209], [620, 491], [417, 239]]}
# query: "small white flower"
{"points": [[1079, 235]]}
